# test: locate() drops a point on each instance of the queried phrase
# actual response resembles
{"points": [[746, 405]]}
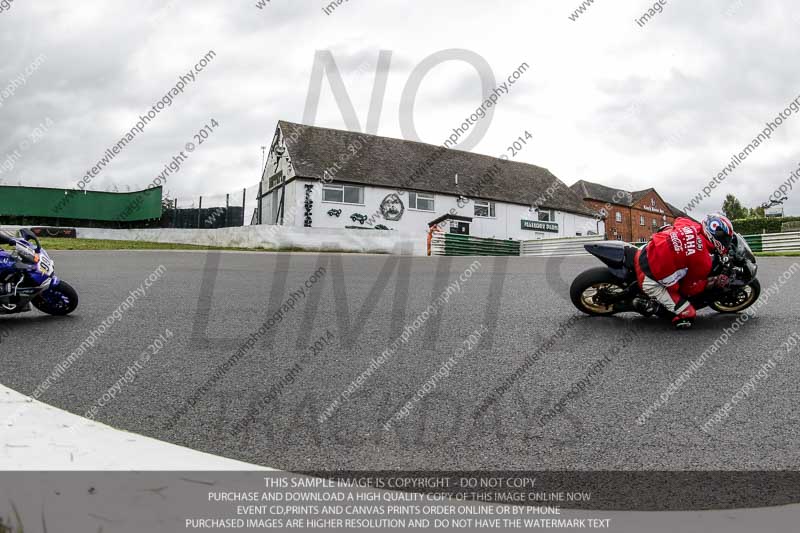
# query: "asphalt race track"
{"points": [[213, 303]]}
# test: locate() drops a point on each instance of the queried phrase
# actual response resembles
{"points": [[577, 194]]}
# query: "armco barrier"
{"points": [[774, 242], [558, 247], [453, 244]]}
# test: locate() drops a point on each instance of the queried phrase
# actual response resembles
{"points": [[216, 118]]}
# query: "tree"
{"points": [[733, 208], [757, 212], [167, 203]]}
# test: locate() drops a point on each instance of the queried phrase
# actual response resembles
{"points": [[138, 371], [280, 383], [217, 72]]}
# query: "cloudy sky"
{"points": [[665, 105]]}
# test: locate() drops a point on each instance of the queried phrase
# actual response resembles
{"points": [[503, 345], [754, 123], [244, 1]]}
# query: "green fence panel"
{"points": [[465, 245], [81, 205], [755, 242]]}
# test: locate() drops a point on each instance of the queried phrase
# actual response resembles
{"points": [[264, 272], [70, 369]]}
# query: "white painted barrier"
{"points": [[568, 247], [781, 242], [271, 238]]}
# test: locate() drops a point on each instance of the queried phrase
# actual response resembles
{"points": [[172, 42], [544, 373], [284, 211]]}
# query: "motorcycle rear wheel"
{"points": [[740, 301], [587, 287], [59, 300]]}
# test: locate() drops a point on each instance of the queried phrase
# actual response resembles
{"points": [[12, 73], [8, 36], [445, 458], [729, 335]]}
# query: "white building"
{"points": [[324, 178]]}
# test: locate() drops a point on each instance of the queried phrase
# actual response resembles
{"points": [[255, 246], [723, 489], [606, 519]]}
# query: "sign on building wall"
{"points": [[537, 225], [653, 207]]}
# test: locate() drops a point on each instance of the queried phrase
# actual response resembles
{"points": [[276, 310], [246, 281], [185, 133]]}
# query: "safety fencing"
{"points": [[774, 242], [790, 226], [454, 244], [567, 247]]}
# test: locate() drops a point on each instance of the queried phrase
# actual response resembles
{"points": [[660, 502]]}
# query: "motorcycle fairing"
{"points": [[619, 256]]}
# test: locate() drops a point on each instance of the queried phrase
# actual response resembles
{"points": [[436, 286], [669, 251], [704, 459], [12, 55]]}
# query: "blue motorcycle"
{"points": [[27, 276]]}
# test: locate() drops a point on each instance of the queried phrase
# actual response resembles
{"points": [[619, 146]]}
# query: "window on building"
{"points": [[275, 180], [578, 234], [641, 220], [343, 194], [619, 217], [547, 215], [655, 223], [420, 201], [484, 209]]}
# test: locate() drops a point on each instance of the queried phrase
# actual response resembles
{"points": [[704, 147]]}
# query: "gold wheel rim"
{"points": [[590, 293], [735, 308]]}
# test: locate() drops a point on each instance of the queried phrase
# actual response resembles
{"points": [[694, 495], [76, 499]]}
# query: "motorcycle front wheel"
{"points": [[738, 301], [58, 300]]}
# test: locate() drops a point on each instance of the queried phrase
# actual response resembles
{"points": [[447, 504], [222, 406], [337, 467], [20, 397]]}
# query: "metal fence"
{"points": [[451, 244], [790, 226], [210, 211], [454, 244], [774, 242], [567, 247]]}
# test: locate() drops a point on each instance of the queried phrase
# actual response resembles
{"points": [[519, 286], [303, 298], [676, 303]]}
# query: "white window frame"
{"points": [[491, 208], [341, 187], [642, 220], [551, 215], [412, 204], [618, 217], [275, 180]]}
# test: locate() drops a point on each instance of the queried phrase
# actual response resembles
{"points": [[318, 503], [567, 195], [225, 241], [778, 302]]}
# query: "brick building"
{"points": [[630, 216]]}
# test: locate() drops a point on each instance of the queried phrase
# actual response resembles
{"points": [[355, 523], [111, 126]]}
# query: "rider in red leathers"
{"points": [[677, 263]]}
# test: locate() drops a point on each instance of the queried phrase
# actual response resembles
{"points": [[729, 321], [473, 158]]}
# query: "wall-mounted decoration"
{"points": [[56, 233], [358, 217], [392, 207], [335, 213], [381, 226], [309, 205]]}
